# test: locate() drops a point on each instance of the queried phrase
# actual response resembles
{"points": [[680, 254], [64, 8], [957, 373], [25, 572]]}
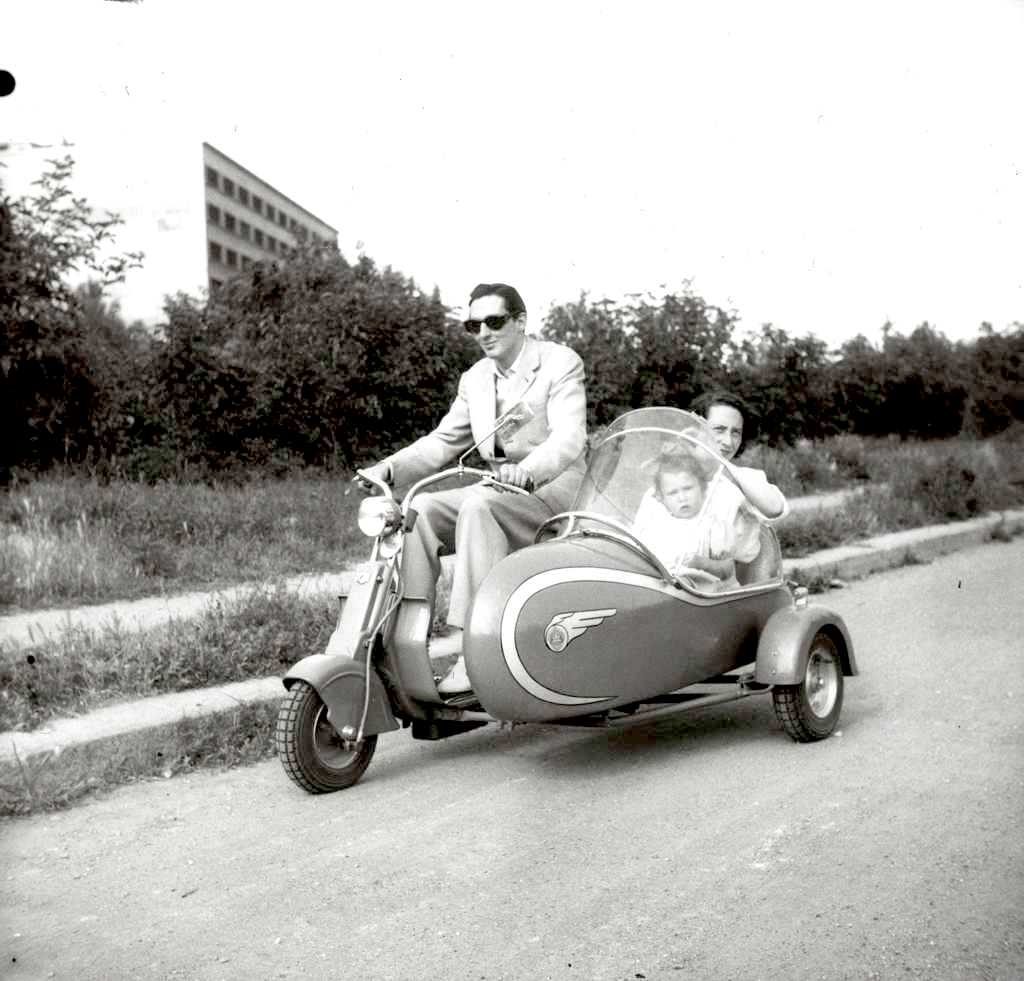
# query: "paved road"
{"points": [[707, 846]]}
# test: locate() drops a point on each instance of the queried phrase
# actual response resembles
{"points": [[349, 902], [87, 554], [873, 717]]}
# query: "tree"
{"points": [[925, 383], [996, 388], [313, 360], [787, 380], [680, 344], [597, 333], [858, 388], [49, 390], [650, 350]]}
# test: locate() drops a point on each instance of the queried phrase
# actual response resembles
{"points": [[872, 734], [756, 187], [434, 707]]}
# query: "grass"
{"points": [[55, 780], [257, 636], [845, 461], [922, 485], [75, 540]]}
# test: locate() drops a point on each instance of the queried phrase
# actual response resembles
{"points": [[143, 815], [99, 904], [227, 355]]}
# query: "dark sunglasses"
{"points": [[494, 322]]}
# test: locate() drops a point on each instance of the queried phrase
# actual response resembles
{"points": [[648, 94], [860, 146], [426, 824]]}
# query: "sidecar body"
{"points": [[588, 620]]}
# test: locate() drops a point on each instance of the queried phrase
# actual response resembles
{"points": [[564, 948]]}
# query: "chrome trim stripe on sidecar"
{"points": [[543, 580]]}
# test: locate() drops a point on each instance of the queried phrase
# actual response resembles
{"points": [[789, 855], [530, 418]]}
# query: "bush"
{"points": [[777, 464], [960, 482], [849, 454]]}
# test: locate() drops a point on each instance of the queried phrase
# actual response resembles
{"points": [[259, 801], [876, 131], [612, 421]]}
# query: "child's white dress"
{"points": [[715, 532]]}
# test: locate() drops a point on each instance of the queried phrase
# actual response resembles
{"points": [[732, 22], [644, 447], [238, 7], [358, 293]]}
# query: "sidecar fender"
{"points": [[785, 641], [340, 682]]}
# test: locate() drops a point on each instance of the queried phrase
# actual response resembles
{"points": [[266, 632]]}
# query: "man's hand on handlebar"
{"points": [[512, 473], [379, 471]]}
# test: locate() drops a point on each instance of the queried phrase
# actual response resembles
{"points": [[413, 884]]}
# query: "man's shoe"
{"points": [[456, 680], [446, 646]]}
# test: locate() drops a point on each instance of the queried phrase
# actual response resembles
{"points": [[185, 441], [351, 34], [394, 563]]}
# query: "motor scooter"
{"points": [[586, 627]]}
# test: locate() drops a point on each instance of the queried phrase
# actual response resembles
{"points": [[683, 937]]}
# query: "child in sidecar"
{"points": [[676, 523]]}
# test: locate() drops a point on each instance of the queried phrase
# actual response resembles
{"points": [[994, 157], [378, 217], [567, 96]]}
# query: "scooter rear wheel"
{"points": [[311, 751]]}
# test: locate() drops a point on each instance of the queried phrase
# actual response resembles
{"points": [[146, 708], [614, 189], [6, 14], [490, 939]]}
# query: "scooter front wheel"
{"points": [[311, 751]]}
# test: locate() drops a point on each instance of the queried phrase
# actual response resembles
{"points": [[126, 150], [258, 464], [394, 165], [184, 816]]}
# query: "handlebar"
{"points": [[487, 476], [370, 483]]}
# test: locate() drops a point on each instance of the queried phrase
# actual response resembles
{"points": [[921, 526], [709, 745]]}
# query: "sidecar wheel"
{"points": [[810, 711], [311, 751]]}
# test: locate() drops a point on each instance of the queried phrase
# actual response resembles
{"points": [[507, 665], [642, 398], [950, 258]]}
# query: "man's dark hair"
{"points": [[513, 301]]}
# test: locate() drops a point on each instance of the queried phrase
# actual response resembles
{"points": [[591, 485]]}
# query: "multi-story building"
{"points": [[196, 221], [248, 220]]}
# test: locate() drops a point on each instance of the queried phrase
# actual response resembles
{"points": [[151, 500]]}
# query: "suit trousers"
{"points": [[481, 525]]}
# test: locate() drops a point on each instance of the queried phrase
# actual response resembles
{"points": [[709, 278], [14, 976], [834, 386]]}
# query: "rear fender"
{"points": [[340, 683], [785, 641]]}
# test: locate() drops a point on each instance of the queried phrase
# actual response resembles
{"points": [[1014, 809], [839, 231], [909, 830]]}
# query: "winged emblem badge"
{"points": [[564, 628]]}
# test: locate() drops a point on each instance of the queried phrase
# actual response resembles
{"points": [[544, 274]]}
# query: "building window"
{"points": [[244, 230], [257, 237], [229, 221], [212, 177], [231, 257], [215, 252], [243, 196], [215, 284], [246, 262], [271, 243], [281, 220], [213, 214], [270, 212], [257, 204], [228, 187]]}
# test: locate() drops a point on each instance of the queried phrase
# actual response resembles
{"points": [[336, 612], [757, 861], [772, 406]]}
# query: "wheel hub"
{"points": [[821, 682], [331, 749]]}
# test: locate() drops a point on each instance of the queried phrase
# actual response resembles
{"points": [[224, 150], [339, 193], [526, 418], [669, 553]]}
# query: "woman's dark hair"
{"points": [[703, 403], [720, 396], [513, 301]]}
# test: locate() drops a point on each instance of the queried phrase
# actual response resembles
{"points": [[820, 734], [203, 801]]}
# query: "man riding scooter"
{"points": [[544, 456]]}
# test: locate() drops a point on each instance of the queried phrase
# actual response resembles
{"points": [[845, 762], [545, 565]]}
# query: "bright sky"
{"points": [[822, 166]]}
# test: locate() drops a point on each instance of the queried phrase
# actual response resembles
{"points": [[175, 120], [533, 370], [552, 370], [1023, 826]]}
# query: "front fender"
{"points": [[340, 682], [785, 641]]}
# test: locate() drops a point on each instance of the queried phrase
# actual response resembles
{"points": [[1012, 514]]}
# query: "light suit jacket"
{"points": [[550, 446]]}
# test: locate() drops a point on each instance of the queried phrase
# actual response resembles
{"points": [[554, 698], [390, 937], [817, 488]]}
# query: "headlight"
{"points": [[378, 515]]}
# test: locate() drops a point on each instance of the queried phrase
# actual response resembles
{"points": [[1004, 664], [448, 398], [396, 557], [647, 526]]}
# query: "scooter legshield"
{"points": [[340, 683]]}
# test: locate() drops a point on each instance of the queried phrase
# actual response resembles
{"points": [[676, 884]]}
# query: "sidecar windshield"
{"points": [[625, 459]]}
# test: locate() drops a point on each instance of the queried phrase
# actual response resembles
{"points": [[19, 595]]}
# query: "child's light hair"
{"points": [[680, 458]]}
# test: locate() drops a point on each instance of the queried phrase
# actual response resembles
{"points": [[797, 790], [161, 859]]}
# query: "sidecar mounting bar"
{"points": [[663, 705], [679, 703]]}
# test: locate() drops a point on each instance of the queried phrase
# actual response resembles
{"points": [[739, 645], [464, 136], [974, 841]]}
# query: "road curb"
{"points": [[164, 734], [25, 631], [902, 548]]}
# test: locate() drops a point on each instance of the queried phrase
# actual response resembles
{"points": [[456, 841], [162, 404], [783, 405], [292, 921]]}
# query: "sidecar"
{"points": [[592, 625]]}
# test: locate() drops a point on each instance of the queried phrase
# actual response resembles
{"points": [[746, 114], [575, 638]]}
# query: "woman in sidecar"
{"points": [[639, 601]]}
